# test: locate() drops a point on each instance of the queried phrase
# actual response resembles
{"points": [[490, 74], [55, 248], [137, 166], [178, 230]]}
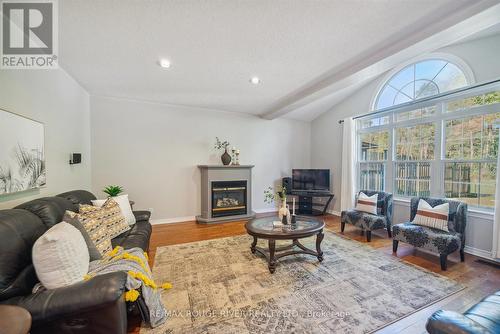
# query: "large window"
{"points": [[374, 147], [419, 80], [443, 147], [471, 148], [414, 148]]}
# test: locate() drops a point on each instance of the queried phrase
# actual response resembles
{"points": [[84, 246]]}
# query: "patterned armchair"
{"points": [[434, 240], [367, 221]]}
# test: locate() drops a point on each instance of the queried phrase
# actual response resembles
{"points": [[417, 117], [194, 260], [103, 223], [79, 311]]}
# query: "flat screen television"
{"points": [[311, 179]]}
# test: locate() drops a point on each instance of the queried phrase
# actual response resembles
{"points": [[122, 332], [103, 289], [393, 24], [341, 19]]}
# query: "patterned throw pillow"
{"points": [[367, 203], [435, 217], [123, 203], [109, 214], [96, 229], [72, 219]]}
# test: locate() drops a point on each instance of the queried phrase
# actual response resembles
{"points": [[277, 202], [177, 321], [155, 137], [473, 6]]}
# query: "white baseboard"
{"points": [[480, 252], [266, 210], [172, 220], [193, 218], [333, 212]]}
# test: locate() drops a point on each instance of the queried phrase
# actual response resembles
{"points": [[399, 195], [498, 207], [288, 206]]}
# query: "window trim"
{"points": [[439, 118], [459, 62]]}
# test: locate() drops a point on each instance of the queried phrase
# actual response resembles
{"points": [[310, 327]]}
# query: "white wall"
{"points": [[326, 134], [55, 99], [153, 151]]}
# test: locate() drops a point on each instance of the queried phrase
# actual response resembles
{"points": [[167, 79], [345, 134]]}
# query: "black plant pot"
{"points": [[226, 158]]}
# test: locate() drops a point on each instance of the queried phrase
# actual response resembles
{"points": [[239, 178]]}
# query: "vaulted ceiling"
{"points": [[308, 54]]}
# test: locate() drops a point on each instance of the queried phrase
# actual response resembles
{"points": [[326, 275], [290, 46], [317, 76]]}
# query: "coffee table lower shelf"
{"points": [[272, 254]]}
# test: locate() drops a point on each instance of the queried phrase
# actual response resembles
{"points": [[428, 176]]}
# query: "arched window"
{"points": [[421, 79]]}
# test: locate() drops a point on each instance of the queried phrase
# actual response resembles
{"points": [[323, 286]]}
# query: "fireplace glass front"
{"points": [[229, 198]]}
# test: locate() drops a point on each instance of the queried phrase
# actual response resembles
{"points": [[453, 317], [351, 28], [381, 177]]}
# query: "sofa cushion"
{"points": [[61, 256], [78, 197], [137, 236], [49, 209], [437, 241], [19, 230], [363, 220]]}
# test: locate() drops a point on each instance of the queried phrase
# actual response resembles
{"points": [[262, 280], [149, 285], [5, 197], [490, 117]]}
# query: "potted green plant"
{"points": [[219, 145], [270, 196], [113, 191]]}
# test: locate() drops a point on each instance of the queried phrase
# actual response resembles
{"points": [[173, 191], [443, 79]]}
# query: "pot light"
{"points": [[165, 63], [255, 80]]}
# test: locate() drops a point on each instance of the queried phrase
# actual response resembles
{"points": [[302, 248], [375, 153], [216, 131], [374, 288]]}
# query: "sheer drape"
{"points": [[496, 219], [348, 184]]}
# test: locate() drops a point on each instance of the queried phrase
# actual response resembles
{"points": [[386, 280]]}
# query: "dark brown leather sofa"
{"points": [[482, 318], [94, 306]]}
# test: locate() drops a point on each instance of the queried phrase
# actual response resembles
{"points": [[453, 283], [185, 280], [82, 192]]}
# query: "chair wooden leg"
{"points": [[368, 235], [395, 246], [462, 255], [342, 227], [443, 260]]}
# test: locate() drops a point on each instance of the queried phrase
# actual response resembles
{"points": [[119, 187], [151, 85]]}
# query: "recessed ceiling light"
{"points": [[255, 80], [165, 63]]}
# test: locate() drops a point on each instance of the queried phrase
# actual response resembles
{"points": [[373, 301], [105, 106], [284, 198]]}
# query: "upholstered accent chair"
{"points": [[434, 240], [368, 222]]}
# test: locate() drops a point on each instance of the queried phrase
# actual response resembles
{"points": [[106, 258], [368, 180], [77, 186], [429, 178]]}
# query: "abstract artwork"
{"points": [[22, 161]]}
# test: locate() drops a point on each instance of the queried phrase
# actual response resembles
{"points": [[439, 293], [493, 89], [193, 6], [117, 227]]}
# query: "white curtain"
{"points": [[348, 185], [496, 219]]}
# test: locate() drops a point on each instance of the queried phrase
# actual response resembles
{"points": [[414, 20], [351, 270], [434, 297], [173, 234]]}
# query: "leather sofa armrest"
{"points": [[449, 322], [142, 215], [80, 297]]}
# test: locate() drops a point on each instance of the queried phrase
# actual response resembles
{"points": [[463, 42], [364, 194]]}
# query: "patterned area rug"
{"points": [[219, 286]]}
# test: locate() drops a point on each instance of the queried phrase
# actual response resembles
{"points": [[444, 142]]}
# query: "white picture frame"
{"points": [[22, 153]]}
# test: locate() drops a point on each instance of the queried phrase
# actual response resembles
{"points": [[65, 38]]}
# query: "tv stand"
{"points": [[305, 204]]}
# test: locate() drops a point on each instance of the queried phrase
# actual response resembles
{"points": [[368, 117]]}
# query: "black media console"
{"points": [[305, 204]]}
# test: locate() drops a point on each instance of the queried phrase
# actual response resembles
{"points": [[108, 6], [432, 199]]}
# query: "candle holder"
{"points": [[233, 156], [284, 220], [237, 160]]}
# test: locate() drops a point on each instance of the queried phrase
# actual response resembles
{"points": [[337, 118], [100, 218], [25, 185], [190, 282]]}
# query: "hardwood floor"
{"points": [[479, 278]]}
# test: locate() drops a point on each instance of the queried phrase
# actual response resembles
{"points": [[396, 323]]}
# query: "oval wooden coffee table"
{"points": [[263, 228]]}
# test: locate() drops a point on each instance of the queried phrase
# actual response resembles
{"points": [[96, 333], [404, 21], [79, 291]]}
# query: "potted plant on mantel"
{"points": [[219, 145], [270, 196]]}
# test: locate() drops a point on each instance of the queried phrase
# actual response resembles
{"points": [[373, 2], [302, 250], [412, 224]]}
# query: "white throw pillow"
{"points": [[60, 256], [123, 203], [367, 203], [435, 217]]}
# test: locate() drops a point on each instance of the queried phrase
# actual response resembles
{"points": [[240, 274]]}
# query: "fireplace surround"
{"points": [[226, 193]]}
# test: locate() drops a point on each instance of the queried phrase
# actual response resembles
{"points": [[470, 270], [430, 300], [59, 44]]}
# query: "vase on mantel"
{"points": [[284, 212], [225, 157]]}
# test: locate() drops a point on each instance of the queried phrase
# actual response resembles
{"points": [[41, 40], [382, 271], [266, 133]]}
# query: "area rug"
{"points": [[219, 286]]}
